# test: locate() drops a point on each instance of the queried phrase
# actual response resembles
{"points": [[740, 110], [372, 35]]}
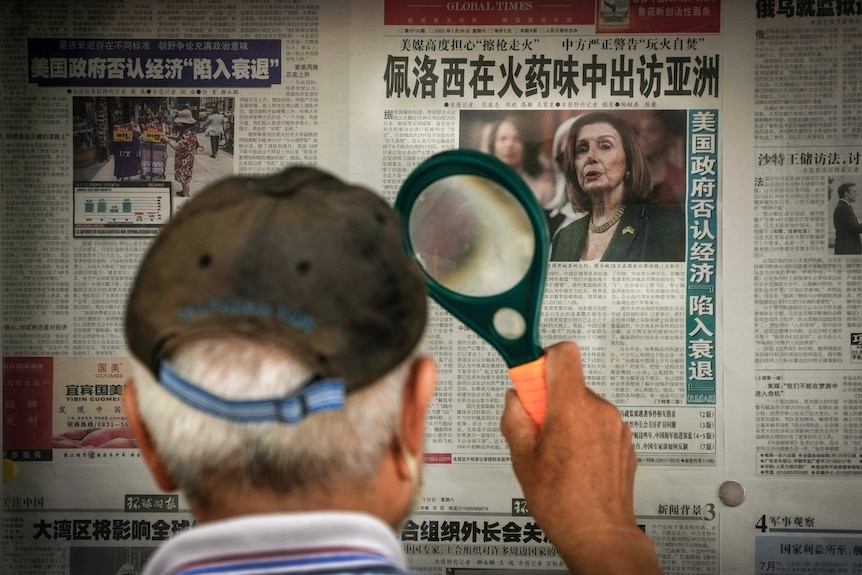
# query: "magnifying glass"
{"points": [[481, 238]]}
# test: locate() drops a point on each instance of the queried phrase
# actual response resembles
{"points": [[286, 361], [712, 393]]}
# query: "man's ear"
{"points": [[418, 392], [144, 441]]}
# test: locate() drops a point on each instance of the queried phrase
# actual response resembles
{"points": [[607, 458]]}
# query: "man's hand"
{"points": [[577, 471]]}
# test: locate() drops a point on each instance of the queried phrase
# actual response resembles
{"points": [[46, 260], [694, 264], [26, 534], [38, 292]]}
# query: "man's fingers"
{"points": [[564, 377], [519, 429]]}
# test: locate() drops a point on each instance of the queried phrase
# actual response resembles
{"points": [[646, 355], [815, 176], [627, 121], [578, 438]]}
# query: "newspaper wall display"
{"points": [[736, 359]]}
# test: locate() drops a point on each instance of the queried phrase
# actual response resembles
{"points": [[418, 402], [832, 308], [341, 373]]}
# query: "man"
{"points": [[847, 226], [279, 384], [214, 128], [660, 143]]}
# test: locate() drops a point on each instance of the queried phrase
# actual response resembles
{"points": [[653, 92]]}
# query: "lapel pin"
{"points": [[628, 230]]}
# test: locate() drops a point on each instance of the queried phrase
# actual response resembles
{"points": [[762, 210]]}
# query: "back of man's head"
{"points": [[273, 322], [208, 455]]}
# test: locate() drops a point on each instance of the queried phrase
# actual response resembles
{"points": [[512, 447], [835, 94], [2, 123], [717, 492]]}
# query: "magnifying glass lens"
{"points": [[471, 235]]}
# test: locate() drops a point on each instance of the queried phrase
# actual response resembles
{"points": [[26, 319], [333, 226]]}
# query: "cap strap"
{"points": [[316, 395]]}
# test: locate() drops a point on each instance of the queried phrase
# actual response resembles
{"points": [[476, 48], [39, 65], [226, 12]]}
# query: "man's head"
{"points": [[275, 322], [847, 191]]}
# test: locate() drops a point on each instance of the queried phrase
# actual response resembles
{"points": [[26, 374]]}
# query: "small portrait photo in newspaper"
{"points": [[614, 13]]}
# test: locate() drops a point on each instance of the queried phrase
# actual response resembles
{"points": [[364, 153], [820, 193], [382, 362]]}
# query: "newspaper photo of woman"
{"points": [[508, 142], [538, 145], [609, 179], [185, 144]]}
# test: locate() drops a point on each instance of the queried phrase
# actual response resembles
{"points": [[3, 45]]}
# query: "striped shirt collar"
{"points": [[282, 543]]}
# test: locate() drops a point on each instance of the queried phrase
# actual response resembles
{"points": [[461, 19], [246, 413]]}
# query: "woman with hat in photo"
{"points": [[186, 146]]}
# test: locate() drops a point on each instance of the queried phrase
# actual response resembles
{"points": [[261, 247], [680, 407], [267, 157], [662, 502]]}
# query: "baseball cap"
{"points": [[298, 259]]}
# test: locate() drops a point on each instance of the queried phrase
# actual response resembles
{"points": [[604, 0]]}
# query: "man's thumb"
{"points": [[518, 428]]}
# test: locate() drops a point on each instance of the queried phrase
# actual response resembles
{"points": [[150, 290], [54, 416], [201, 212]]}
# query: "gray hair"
{"points": [[206, 455]]}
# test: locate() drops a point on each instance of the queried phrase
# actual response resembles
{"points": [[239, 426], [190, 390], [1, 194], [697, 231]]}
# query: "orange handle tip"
{"points": [[529, 380]]}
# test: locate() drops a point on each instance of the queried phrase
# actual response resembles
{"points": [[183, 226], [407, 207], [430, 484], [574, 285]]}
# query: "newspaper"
{"points": [[737, 364]]}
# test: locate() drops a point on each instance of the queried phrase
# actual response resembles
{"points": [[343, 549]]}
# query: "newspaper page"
{"points": [[470, 76], [732, 348], [805, 280]]}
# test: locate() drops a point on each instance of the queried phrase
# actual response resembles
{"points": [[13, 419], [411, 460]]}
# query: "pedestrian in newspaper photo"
{"points": [[185, 146], [214, 128], [609, 178], [280, 384], [847, 227]]}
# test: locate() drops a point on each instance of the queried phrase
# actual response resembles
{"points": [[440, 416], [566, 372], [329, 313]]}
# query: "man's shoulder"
{"points": [[371, 571], [311, 542]]}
